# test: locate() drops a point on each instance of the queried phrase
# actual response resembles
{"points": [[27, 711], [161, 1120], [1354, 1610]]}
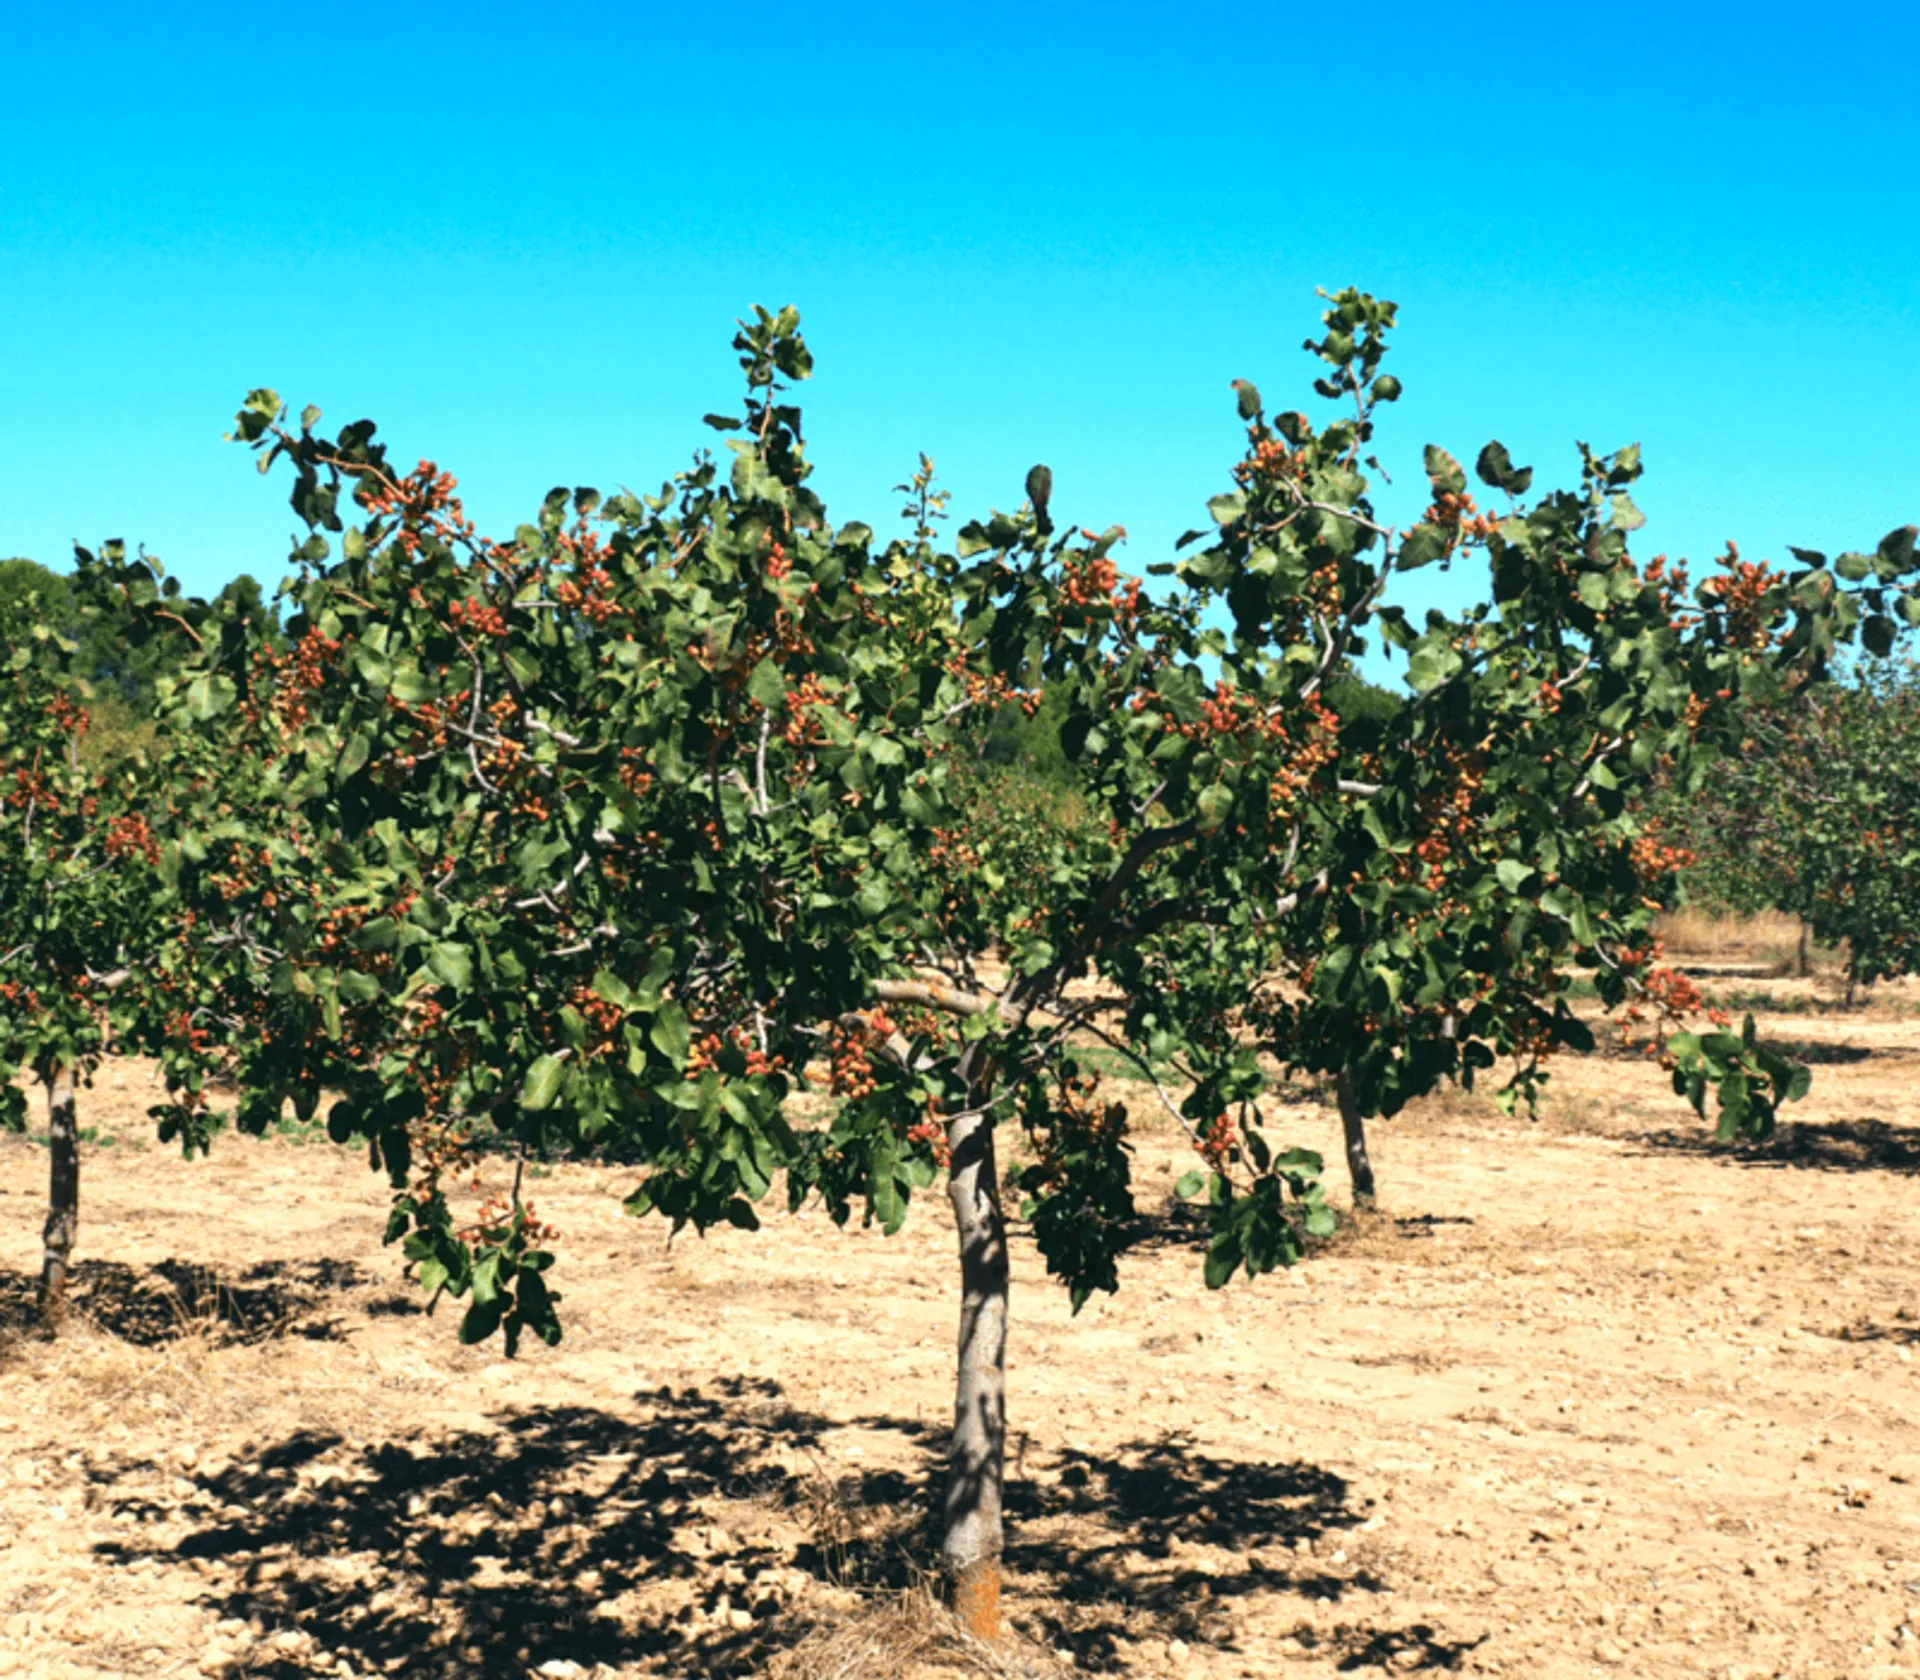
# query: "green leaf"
{"points": [[671, 1035], [1733, 1106], [1513, 873], [612, 989], [452, 964], [482, 1319], [768, 685], [208, 696], [1626, 516], [1189, 1184], [1896, 551], [1445, 472], [353, 756], [542, 1083], [1432, 663], [1421, 546], [375, 669], [1496, 470], [1223, 1259]]}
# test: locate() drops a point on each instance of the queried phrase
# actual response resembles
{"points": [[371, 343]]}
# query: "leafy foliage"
{"points": [[78, 882], [628, 826], [1818, 814]]}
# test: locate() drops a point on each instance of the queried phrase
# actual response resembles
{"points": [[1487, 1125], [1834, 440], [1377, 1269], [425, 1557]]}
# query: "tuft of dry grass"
{"points": [[105, 1374], [1769, 938], [909, 1636]]}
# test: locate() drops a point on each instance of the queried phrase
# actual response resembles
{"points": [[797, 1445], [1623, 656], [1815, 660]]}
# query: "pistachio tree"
{"points": [[78, 893], [617, 832]]}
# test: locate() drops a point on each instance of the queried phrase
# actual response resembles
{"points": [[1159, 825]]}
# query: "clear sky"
{"points": [[517, 237]]}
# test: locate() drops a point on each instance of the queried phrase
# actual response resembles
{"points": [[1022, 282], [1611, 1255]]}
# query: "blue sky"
{"points": [[1015, 233]]}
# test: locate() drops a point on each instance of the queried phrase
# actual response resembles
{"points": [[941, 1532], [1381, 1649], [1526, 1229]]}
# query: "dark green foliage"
{"points": [[1816, 812], [606, 834]]}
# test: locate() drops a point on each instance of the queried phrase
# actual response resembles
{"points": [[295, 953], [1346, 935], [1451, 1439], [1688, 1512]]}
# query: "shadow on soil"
{"points": [[174, 1299], [1736, 971], [1906, 1331], [1825, 1053], [680, 1533], [1825, 1146]]}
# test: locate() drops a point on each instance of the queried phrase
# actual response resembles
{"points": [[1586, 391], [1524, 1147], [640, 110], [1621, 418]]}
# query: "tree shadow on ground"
{"points": [[1612, 1045], [1863, 1145], [1818, 1052], [1107, 1543], [1178, 1224], [163, 1303], [1175, 1224], [694, 1533], [1906, 1332]]}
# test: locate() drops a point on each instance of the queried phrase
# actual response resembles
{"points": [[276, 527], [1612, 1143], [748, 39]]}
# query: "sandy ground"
{"points": [[1588, 1397]]}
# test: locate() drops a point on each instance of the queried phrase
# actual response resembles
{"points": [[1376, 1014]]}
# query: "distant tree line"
{"points": [[120, 662]]}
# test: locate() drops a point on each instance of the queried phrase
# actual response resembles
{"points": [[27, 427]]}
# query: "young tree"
{"points": [[77, 891], [622, 829]]}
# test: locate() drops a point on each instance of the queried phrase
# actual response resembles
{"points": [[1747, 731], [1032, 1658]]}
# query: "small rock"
{"points": [[559, 1668], [1177, 1650]]}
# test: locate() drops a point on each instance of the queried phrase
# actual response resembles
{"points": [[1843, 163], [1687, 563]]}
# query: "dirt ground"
{"points": [[1589, 1396]]}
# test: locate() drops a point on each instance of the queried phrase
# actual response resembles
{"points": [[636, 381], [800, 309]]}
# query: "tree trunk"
{"points": [[970, 1553], [1803, 965], [1359, 1168], [63, 1196]]}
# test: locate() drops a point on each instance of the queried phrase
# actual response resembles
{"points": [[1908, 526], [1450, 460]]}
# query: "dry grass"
{"points": [[91, 1372], [1769, 938], [856, 1540], [907, 1636]]}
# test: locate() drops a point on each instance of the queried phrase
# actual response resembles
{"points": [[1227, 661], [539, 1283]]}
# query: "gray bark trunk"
{"points": [[1803, 963], [63, 1196], [1354, 1128], [970, 1552]]}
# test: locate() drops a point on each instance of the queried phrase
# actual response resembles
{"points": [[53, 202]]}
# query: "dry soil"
{"points": [[1588, 1396]]}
